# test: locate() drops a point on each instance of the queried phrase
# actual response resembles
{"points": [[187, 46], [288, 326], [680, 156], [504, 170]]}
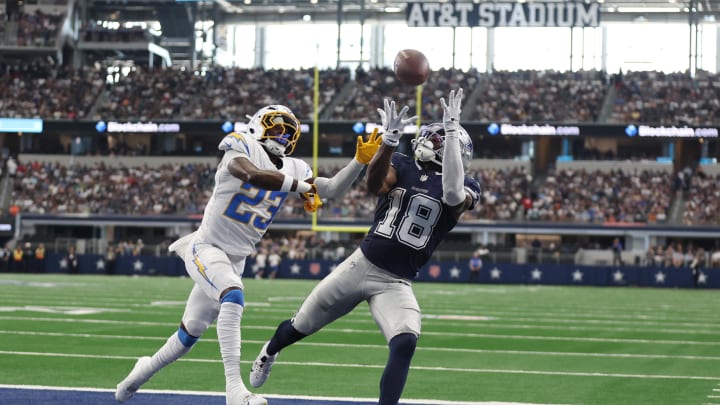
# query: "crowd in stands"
{"points": [[218, 93], [538, 96], [36, 90], [601, 197], [702, 200], [374, 85], [179, 189], [146, 94], [36, 29], [667, 99], [98, 189]]}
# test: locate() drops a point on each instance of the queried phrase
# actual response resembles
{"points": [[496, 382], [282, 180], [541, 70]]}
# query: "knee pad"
{"points": [[235, 296], [186, 339], [403, 344]]}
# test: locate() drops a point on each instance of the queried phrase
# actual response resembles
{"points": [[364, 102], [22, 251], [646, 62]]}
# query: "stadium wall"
{"points": [[435, 271]]}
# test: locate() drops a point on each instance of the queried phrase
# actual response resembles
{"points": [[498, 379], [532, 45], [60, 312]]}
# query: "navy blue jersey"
{"points": [[410, 221]]}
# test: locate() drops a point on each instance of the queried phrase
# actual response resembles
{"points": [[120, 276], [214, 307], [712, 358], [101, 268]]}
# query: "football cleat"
{"points": [[261, 367], [137, 377], [247, 398]]}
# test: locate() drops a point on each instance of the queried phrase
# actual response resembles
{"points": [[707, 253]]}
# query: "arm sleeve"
{"points": [[338, 184], [453, 174]]}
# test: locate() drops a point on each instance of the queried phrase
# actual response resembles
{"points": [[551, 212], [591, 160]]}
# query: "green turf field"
{"points": [[569, 345]]}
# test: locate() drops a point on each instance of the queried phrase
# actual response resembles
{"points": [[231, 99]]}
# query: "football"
{"points": [[411, 67]]}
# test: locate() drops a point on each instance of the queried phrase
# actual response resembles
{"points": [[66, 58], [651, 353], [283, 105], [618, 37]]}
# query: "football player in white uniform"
{"points": [[253, 179]]}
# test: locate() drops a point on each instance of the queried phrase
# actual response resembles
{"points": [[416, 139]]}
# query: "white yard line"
{"points": [[384, 347], [374, 331], [417, 368]]}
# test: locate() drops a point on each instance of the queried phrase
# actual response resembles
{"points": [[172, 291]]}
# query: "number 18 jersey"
{"points": [[410, 221]]}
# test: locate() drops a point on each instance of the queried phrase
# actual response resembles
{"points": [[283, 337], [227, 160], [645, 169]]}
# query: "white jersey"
{"points": [[238, 213]]}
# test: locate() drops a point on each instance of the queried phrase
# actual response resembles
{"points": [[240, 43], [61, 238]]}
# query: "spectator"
{"points": [[72, 261], [110, 259], [40, 258], [274, 261], [18, 265], [475, 265], [28, 258], [261, 263], [617, 248]]}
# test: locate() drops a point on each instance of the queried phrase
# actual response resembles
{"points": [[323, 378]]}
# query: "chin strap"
{"points": [[273, 147]]}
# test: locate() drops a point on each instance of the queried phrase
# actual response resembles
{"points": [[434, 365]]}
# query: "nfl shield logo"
{"points": [[314, 268], [434, 271]]}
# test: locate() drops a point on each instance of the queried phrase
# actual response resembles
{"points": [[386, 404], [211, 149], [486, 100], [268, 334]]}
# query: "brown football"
{"points": [[411, 67]]}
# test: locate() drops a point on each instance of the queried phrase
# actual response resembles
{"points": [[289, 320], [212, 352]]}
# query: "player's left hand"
{"points": [[312, 200], [366, 149], [451, 111], [393, 122]]}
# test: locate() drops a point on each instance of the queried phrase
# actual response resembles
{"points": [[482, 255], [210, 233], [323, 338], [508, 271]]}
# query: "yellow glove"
{"points": [[366, 150], [312, 200]]}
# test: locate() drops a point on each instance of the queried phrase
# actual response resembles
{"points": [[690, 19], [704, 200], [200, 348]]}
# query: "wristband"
{"points": [[287, 184], [390, 142], [303, 187]]}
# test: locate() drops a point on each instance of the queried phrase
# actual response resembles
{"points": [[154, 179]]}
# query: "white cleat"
{"points": [[247, 398], [137, 377], [260, 370]]}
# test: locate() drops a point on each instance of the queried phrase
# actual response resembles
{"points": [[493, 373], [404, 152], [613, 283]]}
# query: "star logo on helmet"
{"points": [[424, 177]]}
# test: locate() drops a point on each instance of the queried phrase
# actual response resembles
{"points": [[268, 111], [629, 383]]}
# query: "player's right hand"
{"points": [[393, 122], [366, 149], [312, 199], [451, 111]]}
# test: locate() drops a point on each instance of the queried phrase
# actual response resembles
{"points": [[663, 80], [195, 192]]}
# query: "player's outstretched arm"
{"points": [[453, 174], [381, 177], [273, 180], [341, 182]]}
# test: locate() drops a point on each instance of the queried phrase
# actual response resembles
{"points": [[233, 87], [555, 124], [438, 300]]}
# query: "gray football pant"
{"points": [[391, 299]]}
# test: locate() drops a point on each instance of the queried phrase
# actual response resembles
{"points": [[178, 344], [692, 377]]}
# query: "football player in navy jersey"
{"points": [[420, 199]]}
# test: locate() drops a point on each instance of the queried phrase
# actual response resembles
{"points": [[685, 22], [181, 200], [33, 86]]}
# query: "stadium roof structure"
{"points": [[611, 10], [251, 11]]}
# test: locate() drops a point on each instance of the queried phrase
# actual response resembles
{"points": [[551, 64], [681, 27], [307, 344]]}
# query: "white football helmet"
{"points": [[277, 128], [430, 144]]}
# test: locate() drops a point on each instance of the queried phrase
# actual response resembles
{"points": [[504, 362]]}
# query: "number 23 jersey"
{"points": [[239, 213], [410, 220]]}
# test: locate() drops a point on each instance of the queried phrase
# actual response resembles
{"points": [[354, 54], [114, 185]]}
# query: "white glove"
{"points": [[393, 122], [451, 112]]}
